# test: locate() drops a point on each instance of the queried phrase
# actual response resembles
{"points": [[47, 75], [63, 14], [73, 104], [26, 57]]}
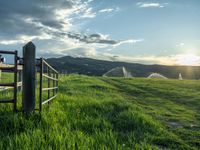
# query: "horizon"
{"points": [[163, 32], [121, 61]]}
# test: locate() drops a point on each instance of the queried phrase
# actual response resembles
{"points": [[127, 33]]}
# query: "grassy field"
{"points": [[109, 113]]}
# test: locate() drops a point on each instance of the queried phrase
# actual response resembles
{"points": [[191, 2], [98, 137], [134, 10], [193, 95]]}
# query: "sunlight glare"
{"points": [[188, 59]]}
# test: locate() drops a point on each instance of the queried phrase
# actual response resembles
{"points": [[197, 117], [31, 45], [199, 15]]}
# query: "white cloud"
{"points": [[89, 1], [130, 41], [22, 39], [81, 52], [10, 42], [150, 5], [106, 10], [109, 10], [180, 45], [88, 13]]}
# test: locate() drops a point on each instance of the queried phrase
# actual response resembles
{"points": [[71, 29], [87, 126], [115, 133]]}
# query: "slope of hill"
{"points": [[95, 67], [110, 113]]}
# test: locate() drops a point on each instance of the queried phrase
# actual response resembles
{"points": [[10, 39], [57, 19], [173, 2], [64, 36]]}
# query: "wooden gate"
{"points": [[29, 75], [48, 72]]}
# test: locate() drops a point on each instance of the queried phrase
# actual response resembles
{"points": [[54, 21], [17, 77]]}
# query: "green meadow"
{"points": [[109, 113]]}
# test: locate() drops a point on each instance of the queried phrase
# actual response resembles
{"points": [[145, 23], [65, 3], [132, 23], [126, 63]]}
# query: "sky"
{"points": [[143, 31]]}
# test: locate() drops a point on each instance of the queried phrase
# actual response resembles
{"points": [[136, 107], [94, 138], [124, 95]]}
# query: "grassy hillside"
{"points": [[110, 113]]}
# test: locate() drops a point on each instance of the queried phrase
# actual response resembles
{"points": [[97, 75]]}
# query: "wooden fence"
{"points": [[25, 76]]}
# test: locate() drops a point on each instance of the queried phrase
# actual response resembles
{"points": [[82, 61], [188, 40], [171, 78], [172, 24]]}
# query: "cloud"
{"points": [[130, 41], [100, 39], [88, 13], [180, 45], [81, 52], [150, 5], [93, 38], [10, 42], [41, 21], [108, 10], [22, 39], [37, 18]]}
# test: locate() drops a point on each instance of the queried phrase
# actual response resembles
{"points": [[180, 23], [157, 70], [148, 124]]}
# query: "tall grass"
{"points": [[109, 113]]}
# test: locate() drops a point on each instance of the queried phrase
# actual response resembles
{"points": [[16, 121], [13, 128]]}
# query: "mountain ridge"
{"points": [[96, 67]]}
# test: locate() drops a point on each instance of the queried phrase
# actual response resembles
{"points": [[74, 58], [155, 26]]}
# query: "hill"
{"points": [[110, 113], [95, 67]]}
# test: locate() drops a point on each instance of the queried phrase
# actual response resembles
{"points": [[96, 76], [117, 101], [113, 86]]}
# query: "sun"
{"points": [[188, 60]]}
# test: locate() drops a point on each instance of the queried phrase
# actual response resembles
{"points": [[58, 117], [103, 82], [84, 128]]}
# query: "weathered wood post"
{"points": [[29, 76]]}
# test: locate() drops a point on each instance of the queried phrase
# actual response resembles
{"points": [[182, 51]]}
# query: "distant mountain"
{"points": [[94, 67]]}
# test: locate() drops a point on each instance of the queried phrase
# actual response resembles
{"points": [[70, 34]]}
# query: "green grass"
{"points": [[109, 113]]}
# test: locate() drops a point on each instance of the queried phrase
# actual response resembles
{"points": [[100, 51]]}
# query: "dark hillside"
{"points": [[95, 67]]}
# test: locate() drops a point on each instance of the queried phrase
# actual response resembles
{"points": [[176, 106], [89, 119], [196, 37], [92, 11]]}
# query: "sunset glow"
{"points": [[188, 59]]}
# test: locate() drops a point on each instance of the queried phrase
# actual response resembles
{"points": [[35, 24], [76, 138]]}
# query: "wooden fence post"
{"points": [[29, 77]]}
